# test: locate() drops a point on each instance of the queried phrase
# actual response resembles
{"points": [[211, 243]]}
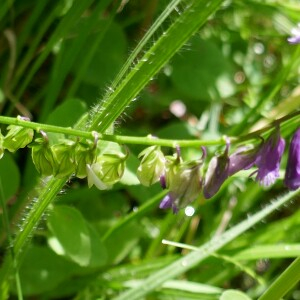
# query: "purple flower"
{"points": [[243, 159], [216, 174], [268, 159], [295, 38], [169, 202], [292, 174], [223, 166]]}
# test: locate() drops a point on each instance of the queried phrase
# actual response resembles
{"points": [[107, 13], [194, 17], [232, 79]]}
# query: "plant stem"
{"points": [[284, 283], [148, 140], [10, 241]]}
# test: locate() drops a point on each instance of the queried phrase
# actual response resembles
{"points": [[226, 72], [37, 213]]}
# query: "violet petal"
{"points": [[292, 174]]}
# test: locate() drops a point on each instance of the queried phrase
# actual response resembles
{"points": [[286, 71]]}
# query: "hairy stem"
{"points": [[148, 140]]}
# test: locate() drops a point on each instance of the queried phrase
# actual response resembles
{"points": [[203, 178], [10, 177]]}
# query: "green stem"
{"points": [[49, 192], [10, 241], [284, 283], [148, 140]]}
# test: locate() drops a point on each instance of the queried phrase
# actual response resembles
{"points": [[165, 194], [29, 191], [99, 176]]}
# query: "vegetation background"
{"points": [[180, 69]]}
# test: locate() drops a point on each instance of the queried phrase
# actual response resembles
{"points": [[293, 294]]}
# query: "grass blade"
{"points": [[192, 259]]}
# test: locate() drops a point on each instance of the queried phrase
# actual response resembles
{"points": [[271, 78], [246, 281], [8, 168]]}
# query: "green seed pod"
{"points": [[106, 171], [85, 153], [42, 157], [17, 137], [64, 155], [152, 165]]}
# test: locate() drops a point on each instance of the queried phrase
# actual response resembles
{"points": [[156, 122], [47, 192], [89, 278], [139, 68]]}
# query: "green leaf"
{"points": [[202, 71], [42, 270], [68, 113], [9, 170], [126, 238], [234, 295], [108, 58], [98, 251], [72, 234], [267, 251], [95, 205]]}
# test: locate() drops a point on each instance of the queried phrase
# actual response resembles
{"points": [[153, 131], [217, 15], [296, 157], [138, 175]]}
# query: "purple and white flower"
{"points": [[295, 38]]}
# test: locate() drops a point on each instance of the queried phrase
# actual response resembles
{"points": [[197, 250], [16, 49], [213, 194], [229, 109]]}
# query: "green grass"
{"points": [[116, 68]]}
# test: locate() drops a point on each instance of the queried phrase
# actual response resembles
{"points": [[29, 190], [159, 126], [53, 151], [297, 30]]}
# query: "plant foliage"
{"points": [[114, 110]]}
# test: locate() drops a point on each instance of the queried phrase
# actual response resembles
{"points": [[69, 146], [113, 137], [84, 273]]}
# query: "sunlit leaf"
{"points": [[72, 233]]}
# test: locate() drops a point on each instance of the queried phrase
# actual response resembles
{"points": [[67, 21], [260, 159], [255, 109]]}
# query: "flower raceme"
{"points": [[103, 164]]}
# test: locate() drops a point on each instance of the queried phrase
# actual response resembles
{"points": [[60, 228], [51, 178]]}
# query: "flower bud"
{"points": [[152, 165], [42, 157], [17, 137], [242, 159], [85, 152], [106, 171], [216, 174], [183, 181], [93, 177], [223, 166], [64, 156]]}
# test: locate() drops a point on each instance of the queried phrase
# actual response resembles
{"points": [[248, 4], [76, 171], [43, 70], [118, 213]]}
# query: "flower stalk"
{"points": [[148, 140]]}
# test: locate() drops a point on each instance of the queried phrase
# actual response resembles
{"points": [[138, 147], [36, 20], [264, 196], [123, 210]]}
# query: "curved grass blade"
{"points": [[190, 260], [195, 15], [284, 283]]}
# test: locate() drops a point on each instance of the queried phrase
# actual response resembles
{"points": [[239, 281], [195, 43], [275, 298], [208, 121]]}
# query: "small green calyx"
{"points": [[112, 167], [64, 156], [152, 165], [85, 153], [17, 137], [42, 157], [106, 171]]}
